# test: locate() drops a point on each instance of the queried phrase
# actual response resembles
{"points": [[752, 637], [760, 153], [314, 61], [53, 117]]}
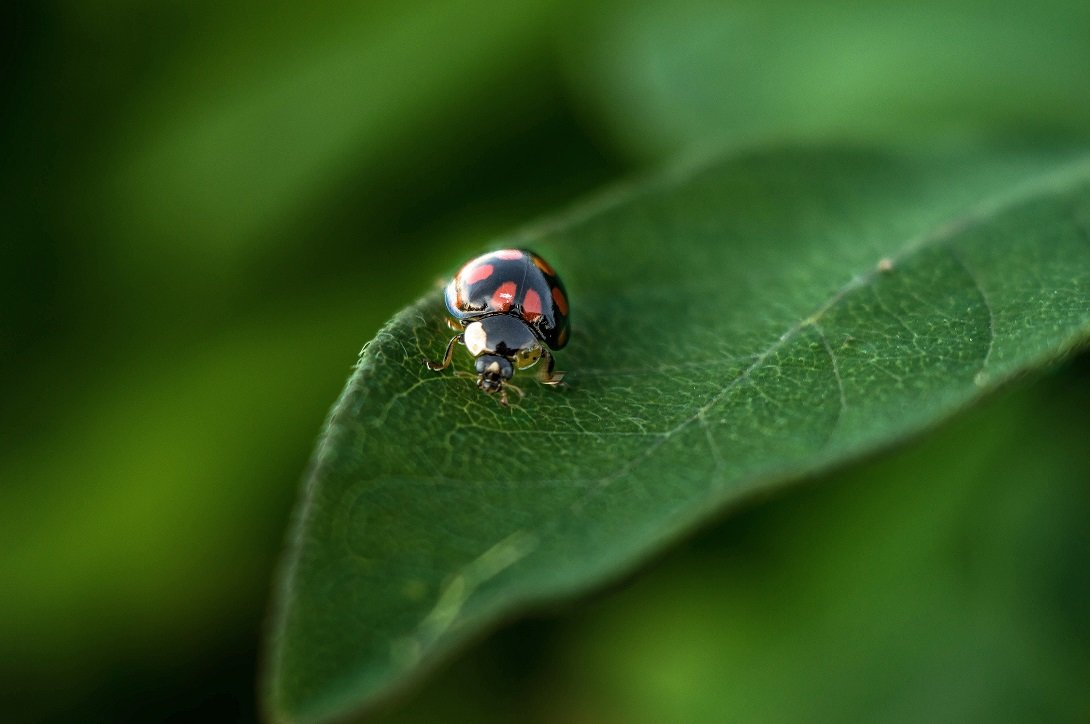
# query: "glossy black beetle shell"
{"points": [[515, 282]]}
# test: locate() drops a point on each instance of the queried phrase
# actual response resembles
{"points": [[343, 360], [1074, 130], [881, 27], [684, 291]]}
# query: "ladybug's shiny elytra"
{"points": [[512, 310]]}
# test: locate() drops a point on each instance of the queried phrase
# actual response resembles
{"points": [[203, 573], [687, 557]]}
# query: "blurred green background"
{"points": [[208, 209]]}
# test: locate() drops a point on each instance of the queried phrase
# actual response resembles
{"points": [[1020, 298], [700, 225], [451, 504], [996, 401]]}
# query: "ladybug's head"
{"points": [[492, 371]]}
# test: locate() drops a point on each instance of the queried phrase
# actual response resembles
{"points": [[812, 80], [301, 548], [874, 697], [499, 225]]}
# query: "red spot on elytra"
{"points": [[504, 296], [531, 306], [508, 254], [477, 273], [560, 300]]}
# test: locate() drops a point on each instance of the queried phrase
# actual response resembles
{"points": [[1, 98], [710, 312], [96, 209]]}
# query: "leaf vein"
{"points": [[843, 408], [957, 257]]}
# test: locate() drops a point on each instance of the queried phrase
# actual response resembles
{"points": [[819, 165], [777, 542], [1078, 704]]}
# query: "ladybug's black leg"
{"points": [[436, 366], [453, 325], [547, 375]]}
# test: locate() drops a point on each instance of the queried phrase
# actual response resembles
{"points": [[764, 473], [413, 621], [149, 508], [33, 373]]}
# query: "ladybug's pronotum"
{"points": [[511, 310]]}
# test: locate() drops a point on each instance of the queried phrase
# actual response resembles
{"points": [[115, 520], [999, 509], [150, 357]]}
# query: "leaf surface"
{"points": [[737, 324]]}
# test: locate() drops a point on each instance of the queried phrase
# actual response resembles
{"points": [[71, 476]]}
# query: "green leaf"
{"points": [[738, 324]]}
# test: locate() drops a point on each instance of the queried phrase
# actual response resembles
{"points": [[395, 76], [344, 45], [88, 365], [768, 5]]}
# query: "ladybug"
{"points": [[511, 310]]}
